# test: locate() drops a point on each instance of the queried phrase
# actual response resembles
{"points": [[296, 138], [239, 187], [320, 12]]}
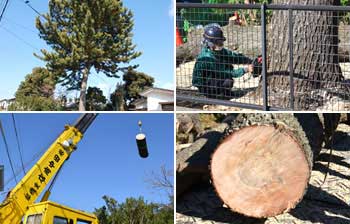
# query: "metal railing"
{"points": [[314, 76]]}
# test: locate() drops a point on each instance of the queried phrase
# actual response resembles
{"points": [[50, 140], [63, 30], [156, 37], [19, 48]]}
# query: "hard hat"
{"points": [[213, 34]]}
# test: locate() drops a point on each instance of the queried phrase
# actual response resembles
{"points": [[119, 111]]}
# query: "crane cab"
{"points": [[51, 213]]}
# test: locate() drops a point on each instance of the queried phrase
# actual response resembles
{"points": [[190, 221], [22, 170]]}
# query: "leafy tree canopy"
{"points": [[135, 82], [95, 100], [85, 35], [133, 210], [36, 92]]}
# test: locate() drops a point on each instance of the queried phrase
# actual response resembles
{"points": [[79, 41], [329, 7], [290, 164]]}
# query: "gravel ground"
{"points": [[325, 202], [245, 87]]}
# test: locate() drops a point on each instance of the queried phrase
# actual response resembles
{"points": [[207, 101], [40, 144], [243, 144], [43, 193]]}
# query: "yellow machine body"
{"points": [[53, 213], [23, 196]]}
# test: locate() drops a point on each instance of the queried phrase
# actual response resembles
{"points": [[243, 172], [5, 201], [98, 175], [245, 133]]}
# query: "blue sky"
{"points": [[153, 35], [106, 161]]}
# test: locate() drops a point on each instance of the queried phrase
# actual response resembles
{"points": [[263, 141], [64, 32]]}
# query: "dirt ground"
{"points": [[325, 202]]}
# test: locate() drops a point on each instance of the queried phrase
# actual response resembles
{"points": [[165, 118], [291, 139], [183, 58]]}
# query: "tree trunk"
{"points": [[263, 166], [83, 89], [315, 51]]}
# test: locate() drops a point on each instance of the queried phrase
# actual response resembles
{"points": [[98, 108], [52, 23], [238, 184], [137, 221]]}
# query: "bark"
{"points": [[315, 51], [83, 89]]}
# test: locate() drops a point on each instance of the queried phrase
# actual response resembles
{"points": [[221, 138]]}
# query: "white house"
{"points": [[158, 99], [5, 103], [140, 104]]}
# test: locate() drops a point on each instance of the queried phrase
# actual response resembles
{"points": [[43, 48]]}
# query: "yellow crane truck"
{"points": [[20, 204]]}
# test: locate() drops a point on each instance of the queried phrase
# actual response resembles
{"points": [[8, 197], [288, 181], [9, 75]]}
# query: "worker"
{"points": [[214, 69]]}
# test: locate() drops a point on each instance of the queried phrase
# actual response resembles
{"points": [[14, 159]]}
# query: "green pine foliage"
{"points": [[129, 91], [36, 92], [85, 35], [135, 82], [95, 100], [117, 102]]}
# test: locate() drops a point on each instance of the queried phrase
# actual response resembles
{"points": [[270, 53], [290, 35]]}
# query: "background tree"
{"points": [[87, 35], [163, 182], [135, 211], [95, 100], [129, 91], [36, 92], [101, 214], [134, 83], [316, 58], [117, 98]]}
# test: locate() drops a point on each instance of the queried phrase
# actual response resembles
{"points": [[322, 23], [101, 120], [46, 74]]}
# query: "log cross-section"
{"points": [[260, 171], [262, 164]]}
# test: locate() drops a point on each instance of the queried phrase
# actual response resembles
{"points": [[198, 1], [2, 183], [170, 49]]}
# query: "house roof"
{"points": [[139, 101], [166, 103], [159, 90], [8, 100]]}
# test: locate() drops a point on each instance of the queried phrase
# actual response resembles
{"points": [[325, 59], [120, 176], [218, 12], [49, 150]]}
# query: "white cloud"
{"points": [[172, 8]]}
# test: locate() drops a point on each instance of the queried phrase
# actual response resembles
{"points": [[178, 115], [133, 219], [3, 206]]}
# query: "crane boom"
{"points": [[27, 191]]}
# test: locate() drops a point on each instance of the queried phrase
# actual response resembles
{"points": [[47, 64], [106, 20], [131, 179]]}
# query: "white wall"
{"points": [[141, 106], [4, 105], [154, 98]]}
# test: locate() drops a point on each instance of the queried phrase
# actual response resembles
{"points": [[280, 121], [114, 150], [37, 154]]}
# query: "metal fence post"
{"points": [[264, 61], [291, 62]]}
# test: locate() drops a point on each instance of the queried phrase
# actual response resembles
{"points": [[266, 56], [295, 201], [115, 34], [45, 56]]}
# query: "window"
{"points": [[79, 221], [59, 220], [34, 219]]}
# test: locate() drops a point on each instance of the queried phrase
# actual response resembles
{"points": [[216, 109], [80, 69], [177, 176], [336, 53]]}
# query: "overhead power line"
{"points": [[19, 38], [19, 25], [3, 10], [34, 158], [8, 151], [18, 143], [32, 8]]}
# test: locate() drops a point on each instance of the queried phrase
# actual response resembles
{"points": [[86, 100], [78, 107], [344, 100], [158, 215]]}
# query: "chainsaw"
{"points": [[257, 66]]}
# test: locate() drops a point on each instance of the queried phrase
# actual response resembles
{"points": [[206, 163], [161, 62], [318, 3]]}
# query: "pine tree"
{"points": [[129, 91], [118, 98], [134, 83], [86, 35], [36, 92], [95, 100]]}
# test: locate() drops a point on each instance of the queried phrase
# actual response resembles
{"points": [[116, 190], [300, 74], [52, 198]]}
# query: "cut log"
{"points": [[306, 131], [263, 166], [192, 163], [260, 171]]}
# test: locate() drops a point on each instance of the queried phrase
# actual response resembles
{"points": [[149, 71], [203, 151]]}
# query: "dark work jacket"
{"points": [[217, 65]]}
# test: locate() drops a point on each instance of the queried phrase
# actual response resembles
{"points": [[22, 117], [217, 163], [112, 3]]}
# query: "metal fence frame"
{"points": [[263, 8]]}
